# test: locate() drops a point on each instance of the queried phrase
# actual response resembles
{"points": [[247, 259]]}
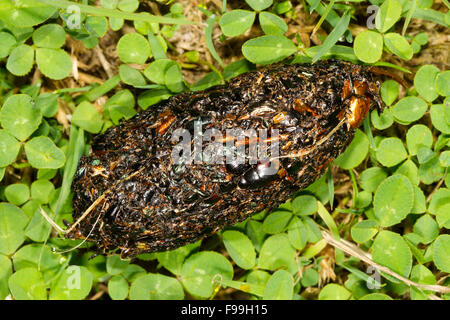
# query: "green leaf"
{"points": [[376, 296], [441, 83], [371, 178], [118, 112], [438, 114], [240, 248], [156, 287], [17, 193], [419, 201], [35, 255], [38, 229], [355, 153], [268, 49], [7, 42], [382, 121], [87, 117], [282, 7], [277, 221], [314, 233], [42, 153], [115, 265], [272, 24], [122, 98], [49, 36], [131, 76], [109, 4], [424, 82], [209, 80], [236, 68], [304, 205], [280, 286], [25, 13], [441, 253], [256, 233], [75, 283], [118, 288], [48, 104], [444, 158], [391, 152], [12, 225], [425, 154], [363, 199], [430, 171], [19, 117], [409, 109], [421, 274], [297, 234], [336, 51], [173, 78], [54, 63], [156, 46], [97, 26], [393, 200], [388, 15], [201, 268], [27, 284], [368, 46], [310, 277], [132, 272], [443, 216], [427, 228], [173, 260], [409, 170], [333, 291], [389, 91], [41, 190], [418, 136], [398, 45], [151, 97], [5, 273], [133, 48], [259, 5], [390, 250], [9, 148], [364, 230], [128, 5], [276, 252], [116, 23], [156, 70], [339, 29], [20, 61], [236, 22]]}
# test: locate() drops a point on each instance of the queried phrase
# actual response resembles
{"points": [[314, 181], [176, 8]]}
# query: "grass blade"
{"points": [[333, 37], [74, 153], [209, 42]]}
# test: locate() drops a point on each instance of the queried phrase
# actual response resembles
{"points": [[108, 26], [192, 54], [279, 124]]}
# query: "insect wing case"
{"points": [[130, 194]]}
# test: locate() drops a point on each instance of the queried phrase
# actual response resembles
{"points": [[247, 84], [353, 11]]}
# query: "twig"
{"points": [[355, 251], [49, 220], [105, 64], [437, 186]]}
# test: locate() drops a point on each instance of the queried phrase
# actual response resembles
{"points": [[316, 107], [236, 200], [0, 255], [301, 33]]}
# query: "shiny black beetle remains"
{"points": [[129, 194]]}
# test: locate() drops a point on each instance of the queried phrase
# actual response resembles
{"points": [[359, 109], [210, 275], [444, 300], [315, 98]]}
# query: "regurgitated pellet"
{"points": [[130, 194]]}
